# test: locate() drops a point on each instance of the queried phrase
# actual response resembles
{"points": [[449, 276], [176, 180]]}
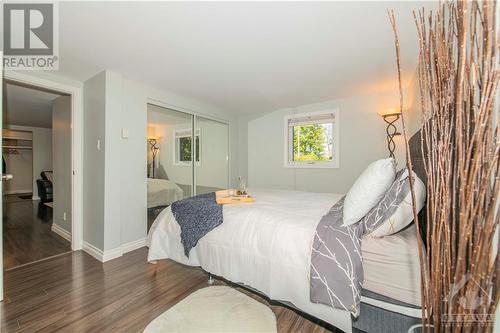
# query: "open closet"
{"points": [[17, 147]]}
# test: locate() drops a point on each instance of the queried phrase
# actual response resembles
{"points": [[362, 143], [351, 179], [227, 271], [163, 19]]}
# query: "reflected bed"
{"points": [[162, 192]]}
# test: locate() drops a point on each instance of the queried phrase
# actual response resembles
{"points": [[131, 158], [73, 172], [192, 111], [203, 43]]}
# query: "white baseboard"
{"points": [[93, 251], [112, 254], [131, 246], [35, 197], [107, 255], [61, 232]]}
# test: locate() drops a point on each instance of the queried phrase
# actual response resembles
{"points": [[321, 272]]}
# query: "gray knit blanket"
{"points": [[196, 216]]}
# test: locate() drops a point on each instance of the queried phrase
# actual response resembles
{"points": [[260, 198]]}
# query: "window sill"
{"points": [[311, 165], [186, 164]]}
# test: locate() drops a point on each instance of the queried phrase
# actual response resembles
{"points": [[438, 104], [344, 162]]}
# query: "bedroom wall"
{"points": [[362, 140], [41, 157], [93, 159]]}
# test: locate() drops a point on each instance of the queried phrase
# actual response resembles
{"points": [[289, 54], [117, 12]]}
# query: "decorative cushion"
{"points": [[368, 190], [395, 211]]}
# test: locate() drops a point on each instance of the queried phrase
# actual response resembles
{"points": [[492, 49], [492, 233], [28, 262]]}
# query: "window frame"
{"points": [[288, 144], [177, 135]]}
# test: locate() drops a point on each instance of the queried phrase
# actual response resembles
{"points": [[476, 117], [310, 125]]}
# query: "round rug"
{"points": [[215, 309]]}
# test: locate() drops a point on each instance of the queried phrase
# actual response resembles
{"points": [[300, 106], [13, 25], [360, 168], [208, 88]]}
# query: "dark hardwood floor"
{"points": [[27, 236], [76, 293]]}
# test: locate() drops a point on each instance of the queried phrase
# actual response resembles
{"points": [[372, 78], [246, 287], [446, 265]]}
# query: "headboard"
{"points": [[417, 161]]}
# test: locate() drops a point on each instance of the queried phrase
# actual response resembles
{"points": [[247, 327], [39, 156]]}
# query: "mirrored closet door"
{"points": [[169, 170], [174, 140], [212, 155]]}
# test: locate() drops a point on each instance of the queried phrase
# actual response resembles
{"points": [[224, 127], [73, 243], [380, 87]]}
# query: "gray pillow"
{"points": [[395, 211]]}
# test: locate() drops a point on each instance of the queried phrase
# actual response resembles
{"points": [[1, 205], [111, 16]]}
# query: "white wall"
{"points": [[115, 179], [40, 157], [362, 140], [101, 161], [93, 160], [61, 156]]}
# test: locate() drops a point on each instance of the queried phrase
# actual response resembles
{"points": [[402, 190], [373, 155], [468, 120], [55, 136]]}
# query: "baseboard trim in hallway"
{"points": [[36, 261], [61, 232]]}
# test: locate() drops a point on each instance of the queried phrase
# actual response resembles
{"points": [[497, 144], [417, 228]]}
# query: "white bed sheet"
{"points": [[391, 266], [162, 192], [265, 245]]}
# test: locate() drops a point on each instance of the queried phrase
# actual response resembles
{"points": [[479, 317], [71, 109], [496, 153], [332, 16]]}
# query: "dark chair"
{"points": [[45, 191]]}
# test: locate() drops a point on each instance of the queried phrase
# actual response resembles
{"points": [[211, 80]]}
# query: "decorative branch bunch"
{"points": [[459, 77]]}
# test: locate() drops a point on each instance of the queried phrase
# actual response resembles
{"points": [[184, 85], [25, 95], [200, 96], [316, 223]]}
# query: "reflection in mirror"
{"points": [[212, 158], [170, 175]]}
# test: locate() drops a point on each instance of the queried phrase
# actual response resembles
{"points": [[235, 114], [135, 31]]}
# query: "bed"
{"points": [[162, 192], [267, 246]]}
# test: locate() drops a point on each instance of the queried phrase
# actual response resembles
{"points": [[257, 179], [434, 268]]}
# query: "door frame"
{"points": [[76, 93]]}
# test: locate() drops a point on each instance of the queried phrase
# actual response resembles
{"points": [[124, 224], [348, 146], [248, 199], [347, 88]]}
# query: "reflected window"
{"points": [[182, 141]]}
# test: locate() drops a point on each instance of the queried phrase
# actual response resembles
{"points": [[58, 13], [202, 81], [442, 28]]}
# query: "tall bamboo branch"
{"points": [[459, 76], [409, 164]]}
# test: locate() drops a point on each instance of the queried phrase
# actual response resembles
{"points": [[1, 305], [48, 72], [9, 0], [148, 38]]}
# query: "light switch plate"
{"points": [[124, 133]]}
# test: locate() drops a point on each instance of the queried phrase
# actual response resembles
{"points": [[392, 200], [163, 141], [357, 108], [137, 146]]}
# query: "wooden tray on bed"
{"points": [[225, 197]]}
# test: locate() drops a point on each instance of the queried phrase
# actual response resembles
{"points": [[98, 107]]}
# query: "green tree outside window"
{"points": [[311, 143], [185, 149]]}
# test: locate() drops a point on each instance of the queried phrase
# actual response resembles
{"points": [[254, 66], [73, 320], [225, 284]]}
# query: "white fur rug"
{"points": [[215, 309]]}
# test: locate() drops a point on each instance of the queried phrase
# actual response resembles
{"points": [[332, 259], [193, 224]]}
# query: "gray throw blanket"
{"points": [[336, 261], [196, 216]]}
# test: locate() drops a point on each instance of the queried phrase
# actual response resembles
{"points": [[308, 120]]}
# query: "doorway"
{"points": [[36, 151]]}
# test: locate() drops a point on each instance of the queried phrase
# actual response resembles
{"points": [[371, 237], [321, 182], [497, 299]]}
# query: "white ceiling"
{"points": [[27, 107], [241, 56]]}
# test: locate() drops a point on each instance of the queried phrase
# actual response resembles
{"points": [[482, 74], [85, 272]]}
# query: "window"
{"points": [[312, 140], [182, 142]]}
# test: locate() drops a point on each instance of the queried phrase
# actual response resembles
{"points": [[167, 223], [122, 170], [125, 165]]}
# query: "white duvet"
{"points": [[265, 245]]}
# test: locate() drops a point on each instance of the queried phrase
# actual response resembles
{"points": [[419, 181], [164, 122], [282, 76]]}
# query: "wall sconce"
{"points": [[153, 142], [390, 117]]}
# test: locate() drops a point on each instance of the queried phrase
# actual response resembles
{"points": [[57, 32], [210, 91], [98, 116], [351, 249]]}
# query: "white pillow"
{"points": [[403, 215], [368, 190]]}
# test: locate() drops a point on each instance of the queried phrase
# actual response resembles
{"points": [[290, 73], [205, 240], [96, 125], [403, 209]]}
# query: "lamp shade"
{"points": [[152, 132], [389, 112]]}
